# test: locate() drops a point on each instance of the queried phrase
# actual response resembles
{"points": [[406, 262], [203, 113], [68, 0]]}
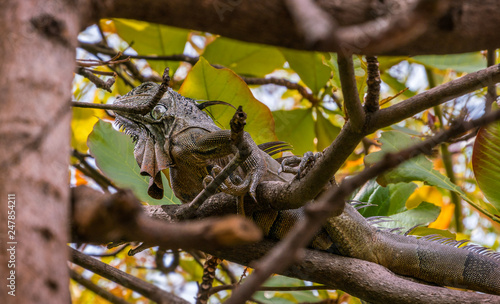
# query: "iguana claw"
{"points": [[296, 164]]}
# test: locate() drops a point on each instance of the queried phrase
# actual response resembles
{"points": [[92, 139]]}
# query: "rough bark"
{"points": [[37, 43], [467, 25]]}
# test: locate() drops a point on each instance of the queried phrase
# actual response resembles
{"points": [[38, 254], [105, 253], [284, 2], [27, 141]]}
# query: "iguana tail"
{"points": [[465, 267], [350, 234], [432, 261]]}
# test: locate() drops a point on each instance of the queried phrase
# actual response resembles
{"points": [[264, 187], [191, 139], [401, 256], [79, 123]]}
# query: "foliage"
{"points": [[416, 193]]}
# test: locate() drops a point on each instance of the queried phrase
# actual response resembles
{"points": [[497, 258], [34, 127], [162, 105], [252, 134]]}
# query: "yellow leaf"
{"points": [[444, 219], [425, 193], [82, 124]]}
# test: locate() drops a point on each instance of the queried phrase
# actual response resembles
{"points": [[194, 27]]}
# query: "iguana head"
{"points": [[152, 131]]}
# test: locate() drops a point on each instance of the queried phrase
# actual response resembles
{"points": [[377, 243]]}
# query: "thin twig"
{"points": [[216, 289], [373, 84], [91, 172], [103, 73], [94, 288], [109, 254], [101, 84], [204, 288], [491, 94], [148, 290], [285, 83], [126, 108]]}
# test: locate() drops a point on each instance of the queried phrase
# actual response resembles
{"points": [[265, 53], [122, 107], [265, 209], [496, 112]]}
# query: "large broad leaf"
{"points": [[325, 130], [297, 128], [275, 297], [388, 200], [419, 169], [424, 214], [416, 169], [244, 58], [205, 82], [310, 68], [467, 62], [153, 39], [114, 155], [486, 162]]}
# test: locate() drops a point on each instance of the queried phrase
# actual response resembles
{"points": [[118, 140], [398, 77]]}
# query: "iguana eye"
{"points": [[158, 112]]}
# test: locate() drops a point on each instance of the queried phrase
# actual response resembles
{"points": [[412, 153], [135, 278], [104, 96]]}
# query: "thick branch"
{"points": [[148, 290], [362, 279], [433, 97], [99, 218], [467, 25]]}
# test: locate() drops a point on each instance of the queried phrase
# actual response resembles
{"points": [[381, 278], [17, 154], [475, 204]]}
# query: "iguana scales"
{"points": [[177, 135]]}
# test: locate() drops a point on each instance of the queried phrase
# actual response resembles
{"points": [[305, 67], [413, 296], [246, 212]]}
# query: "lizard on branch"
{"points": [[177, 135]]}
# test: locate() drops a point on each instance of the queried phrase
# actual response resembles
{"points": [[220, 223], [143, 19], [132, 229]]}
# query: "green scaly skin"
{"points": [[179, 136]]}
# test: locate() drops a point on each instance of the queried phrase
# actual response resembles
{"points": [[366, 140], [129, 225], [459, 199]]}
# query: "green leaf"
{"points": [[310, 68], [386, 62], [423, 231], [416, 169], [326, 132], [153, 39], [205, 82], [424, 214], [396, 86], [273, 297], [467, 62], [389, 200], [114, 155], [297, 128], [244, 58], [486, 162]]}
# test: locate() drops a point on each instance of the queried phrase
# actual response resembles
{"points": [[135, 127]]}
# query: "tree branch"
{"points": [[95, 289], [148, 290], [389, 32], [467, 25], [285, 83], [362, 279], [101, 84], [373, 84], [100, 218], [352, 104], [433, 97], [491, 94]]}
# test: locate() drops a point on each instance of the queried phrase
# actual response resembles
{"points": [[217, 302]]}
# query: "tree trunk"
{"points": [[37, 44]]}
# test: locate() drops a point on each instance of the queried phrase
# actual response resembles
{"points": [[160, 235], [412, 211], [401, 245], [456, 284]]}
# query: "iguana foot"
{"points": [[233, 185], [298, 165]]}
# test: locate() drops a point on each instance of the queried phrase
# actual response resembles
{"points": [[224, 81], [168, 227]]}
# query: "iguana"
{"points": [[177, 135]]}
